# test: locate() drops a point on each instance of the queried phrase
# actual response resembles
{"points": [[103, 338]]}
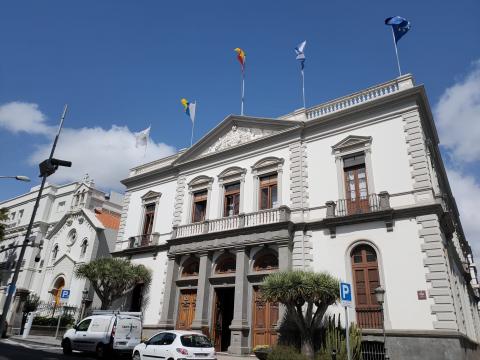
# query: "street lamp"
{"points": [[18, 177], [380, 296]]}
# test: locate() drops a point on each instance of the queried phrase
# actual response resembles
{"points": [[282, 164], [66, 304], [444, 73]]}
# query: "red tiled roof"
{"points": [[108, 219]]}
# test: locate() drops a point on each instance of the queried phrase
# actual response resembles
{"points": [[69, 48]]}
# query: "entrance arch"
{"points": [[58, 287], [366, 279]]}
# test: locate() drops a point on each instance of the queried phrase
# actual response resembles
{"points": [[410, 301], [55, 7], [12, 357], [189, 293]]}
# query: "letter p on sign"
{"points": [[346, 294]]}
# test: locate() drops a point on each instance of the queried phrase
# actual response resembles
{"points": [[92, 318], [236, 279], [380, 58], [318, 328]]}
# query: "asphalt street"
{"points": [[10, 350]]}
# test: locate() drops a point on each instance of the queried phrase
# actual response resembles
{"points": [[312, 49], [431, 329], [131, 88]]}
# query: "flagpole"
{"points": [[303, 88], [193, 125], [396, 52], [243, 90]]}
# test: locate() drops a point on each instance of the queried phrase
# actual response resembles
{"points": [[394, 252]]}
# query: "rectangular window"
{"points": [[268, 192], [20, 214], [148, 219], [61, 206], [231, 200], [356, 190], [199, 206], [12, 216]]}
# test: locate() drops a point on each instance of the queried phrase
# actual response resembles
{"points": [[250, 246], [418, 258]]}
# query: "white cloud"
{"points": [[466, 190], [106, 155], [458, 117], [23, 117]]}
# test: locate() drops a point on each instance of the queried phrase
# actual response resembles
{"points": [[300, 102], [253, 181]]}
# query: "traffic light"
{"points": [[49, 166]]}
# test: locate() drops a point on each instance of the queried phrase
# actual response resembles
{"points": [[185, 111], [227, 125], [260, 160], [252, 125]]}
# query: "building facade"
{"points": [[76, 223], [355, 187]]}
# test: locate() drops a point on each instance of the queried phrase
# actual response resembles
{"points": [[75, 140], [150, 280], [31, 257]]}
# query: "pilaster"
{"points": [[179, 200], [200, 322], [166, 319]]}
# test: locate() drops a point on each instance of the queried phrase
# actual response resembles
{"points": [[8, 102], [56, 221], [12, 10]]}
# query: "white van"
{"points": [[105, 332]]}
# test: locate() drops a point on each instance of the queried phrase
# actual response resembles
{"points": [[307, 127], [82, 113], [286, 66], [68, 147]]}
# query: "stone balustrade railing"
{"points": [[360, 97], [143, 240], [261, 217]]}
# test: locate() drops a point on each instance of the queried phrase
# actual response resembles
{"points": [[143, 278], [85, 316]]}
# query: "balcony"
{"points": [[350, 211], [369, 317], [262, 217], [143, 240]]}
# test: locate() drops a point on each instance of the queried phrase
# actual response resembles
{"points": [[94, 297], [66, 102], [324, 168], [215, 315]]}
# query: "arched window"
{"points": [[55, 252], [72, 237], [190, 267], [366, 279], [266, 261], [84, 246], [226, 264]]}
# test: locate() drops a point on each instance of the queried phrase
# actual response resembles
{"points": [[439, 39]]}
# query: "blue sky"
{"points": [[127, 64]]}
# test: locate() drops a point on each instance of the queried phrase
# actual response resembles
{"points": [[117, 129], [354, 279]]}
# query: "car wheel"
{"points": [[101, 351], [136, 356], [67, 347]]}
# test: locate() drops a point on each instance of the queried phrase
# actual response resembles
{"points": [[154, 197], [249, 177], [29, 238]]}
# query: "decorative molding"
{"points": [[231, 174], [298, 175], [352, 143], [237, 136], [199, 182], [179, 200], [150, 196], [123, 217]]}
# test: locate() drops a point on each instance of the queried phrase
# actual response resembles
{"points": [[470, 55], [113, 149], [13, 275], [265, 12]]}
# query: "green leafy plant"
{"points": [[334, 339], [66, 320], [306, 296], [112, 278], [285, 353]]}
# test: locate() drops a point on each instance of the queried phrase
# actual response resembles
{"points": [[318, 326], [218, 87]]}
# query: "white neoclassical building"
{"points": [[355, 186], [76, 222]]}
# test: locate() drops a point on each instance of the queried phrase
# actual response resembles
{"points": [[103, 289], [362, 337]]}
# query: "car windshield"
{"points": [[193, 340]]}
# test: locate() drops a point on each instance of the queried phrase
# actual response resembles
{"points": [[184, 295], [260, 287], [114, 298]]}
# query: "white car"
{"points": [[175, 345], [105, 332]]}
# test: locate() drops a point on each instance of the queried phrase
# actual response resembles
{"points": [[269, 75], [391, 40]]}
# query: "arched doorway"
{"points": [[265, 314], [366, 279], [58, 287], [188, 297]]}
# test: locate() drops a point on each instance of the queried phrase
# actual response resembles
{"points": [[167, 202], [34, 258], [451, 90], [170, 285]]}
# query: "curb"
{"points": [[32, 342]]}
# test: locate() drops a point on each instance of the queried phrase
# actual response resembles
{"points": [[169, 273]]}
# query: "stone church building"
{"points": [[355, 186]]}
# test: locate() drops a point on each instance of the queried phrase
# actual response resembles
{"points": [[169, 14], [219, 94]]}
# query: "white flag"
{"points": [[141, 138], [191, 110]]}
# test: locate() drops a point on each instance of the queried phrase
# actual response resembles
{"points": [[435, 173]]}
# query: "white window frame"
{"points": [[229, 176], [151, 197], [199, 183], [263, 167], [349, 146]]}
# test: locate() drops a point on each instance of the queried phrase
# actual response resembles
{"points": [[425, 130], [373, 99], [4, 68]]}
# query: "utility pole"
{"points": [[47, 168]]}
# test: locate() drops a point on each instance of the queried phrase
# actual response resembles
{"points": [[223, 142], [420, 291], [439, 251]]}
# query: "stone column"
{"points": [[166, 319], [200, 322], [240, 327]]}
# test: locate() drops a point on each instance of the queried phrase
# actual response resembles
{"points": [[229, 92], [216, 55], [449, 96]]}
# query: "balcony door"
{"points": [[199, 212], [366, 279], [148, 223], [268, 192], [356, 184], [231, 200]]}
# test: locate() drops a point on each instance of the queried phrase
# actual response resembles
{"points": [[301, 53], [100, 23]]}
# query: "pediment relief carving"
{"points": [[236, 136]]}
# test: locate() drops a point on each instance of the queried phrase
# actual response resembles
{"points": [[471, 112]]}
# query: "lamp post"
{"points": [[380, 295], [17, 177]]}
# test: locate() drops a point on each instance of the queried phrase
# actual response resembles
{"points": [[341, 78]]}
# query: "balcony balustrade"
{"points": [[143, 240], [262, 217], [361, 205], [369, 317]]}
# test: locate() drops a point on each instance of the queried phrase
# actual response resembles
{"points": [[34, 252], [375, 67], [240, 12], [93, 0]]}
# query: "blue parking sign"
{"points": [[65, 294], [346, 294]]}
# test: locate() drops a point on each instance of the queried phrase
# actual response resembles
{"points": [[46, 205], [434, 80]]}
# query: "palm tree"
{"points": [[306, 296], [112, 278]]}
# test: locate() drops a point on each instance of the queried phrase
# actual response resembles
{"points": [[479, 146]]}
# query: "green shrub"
{"points": [[285, 353], [66, 320], [334, 338]]}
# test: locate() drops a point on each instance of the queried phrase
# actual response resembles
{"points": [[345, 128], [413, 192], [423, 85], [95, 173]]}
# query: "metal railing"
{"points": [[369, 317], [362, 205], [261, 217], [143, 240], [373, 350]]}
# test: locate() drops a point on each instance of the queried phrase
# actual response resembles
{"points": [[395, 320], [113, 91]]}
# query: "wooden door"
{"points": [[265, 318], [366, 279], [217, 323], [356, 189], [186, 309]]}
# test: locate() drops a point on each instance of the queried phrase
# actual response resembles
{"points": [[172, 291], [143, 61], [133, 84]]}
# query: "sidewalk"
{"points": [[51, 341]]}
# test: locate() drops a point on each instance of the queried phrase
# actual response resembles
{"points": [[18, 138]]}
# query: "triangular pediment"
{"points": [[234, 132], [151, 195], [63, 258], [352, 141]]}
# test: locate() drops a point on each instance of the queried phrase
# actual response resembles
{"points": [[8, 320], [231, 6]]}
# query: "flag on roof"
{"points": [[240, 57], [189, 109], [300, 54], [399, 25], [141, 138]]}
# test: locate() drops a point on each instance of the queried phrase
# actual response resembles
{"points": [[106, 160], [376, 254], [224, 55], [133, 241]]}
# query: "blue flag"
{"points": [[300, 54], [399, 25]]}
